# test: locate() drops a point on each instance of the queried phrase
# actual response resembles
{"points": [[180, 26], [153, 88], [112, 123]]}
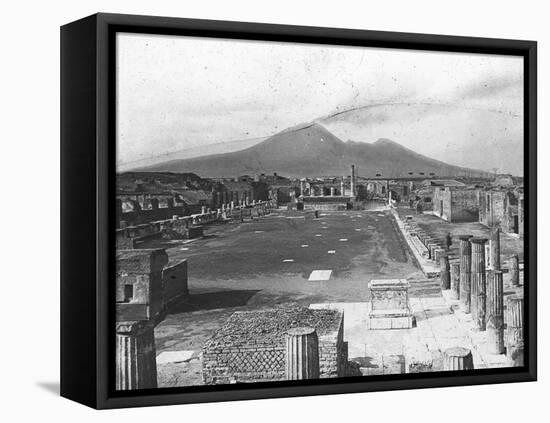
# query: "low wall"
{"points": [[138, 217], [183, 226], [250, 346]]}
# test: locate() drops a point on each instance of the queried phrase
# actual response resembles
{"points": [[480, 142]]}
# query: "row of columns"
{"points": [[480, 292]]}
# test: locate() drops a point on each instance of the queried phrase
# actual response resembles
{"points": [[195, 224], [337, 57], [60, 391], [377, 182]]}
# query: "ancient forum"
{"points": [[267, 277]]}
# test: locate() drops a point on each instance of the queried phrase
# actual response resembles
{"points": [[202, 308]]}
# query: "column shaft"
{"points": [[455, 280], [465, 279], [457, 358], [495, 312], [514, 329], [302, 354], [479, 285]]}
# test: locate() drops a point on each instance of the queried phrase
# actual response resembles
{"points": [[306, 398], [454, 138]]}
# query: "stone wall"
{"points": [[456, 205], [464, 206], [326, 203], [250, 347], [501, 208]]}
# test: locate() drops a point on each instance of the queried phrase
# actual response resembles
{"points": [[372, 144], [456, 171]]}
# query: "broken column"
{"points": [[458, 358], [444, 271], [494, 248], [136, 365], [514, 329], [465, 276], [455, 280], [479, 284], [302, 354], [514, 270], [495, 310]]}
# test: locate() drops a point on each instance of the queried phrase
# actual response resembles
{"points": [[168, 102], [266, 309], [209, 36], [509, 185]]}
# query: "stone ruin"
{"points": [[250, 346], [145, 287]]}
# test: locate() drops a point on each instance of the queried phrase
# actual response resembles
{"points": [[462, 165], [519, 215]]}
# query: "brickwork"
{"points": [[250, 347]]}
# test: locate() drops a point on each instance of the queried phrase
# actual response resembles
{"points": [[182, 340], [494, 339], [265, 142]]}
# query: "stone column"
{"points": [[521, 207], [332, 191], [352, 182], [514, 329], [342, 187], [479, 285], [514, 270], [495, 310], [302, 188], [455, 280], [494, 247], [322, 190], [136, 365], [465, 276], [302, 354], [458, 358], [444, 271]]}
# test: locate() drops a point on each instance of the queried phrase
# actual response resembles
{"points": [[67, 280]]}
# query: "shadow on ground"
{"points": [[50, 387], [213, 300]]}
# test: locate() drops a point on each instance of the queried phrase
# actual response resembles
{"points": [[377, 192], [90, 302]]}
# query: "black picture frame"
{"points": [[87, 209]]}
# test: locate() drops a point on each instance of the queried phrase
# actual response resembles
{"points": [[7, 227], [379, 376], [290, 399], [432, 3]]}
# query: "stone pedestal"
{"points": [[479, 288], [455, 280], [514, 270], [465, 250], [389, 305], [302, 354], [135, 357], [139, 283], [495, 310], [458, 358], [514, 330], [444, 271]]}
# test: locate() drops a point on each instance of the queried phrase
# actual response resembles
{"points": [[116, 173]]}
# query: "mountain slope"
{"points": [[478, 138], [312, 150]]}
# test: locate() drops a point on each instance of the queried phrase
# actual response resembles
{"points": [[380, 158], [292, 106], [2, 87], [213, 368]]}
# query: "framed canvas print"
{"points": [[254, 211]]}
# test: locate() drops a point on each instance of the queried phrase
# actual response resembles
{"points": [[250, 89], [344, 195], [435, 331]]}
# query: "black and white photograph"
{"points": [[289, 211]]}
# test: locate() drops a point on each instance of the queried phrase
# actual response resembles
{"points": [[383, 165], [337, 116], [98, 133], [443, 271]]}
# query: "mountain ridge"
{"points": [[313, 150]]}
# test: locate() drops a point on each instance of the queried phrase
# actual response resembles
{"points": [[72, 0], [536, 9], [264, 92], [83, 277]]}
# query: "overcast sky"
{"points": [[175, 92]]}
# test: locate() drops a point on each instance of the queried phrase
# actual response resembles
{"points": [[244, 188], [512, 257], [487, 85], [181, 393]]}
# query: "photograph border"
{"points": [[88, 144]]}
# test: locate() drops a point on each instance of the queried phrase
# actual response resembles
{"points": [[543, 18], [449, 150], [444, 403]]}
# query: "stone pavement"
{"points": [[439, 325]]}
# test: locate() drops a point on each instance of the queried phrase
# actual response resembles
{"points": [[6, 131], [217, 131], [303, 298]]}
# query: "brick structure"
{"points": [[251, 345]]}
